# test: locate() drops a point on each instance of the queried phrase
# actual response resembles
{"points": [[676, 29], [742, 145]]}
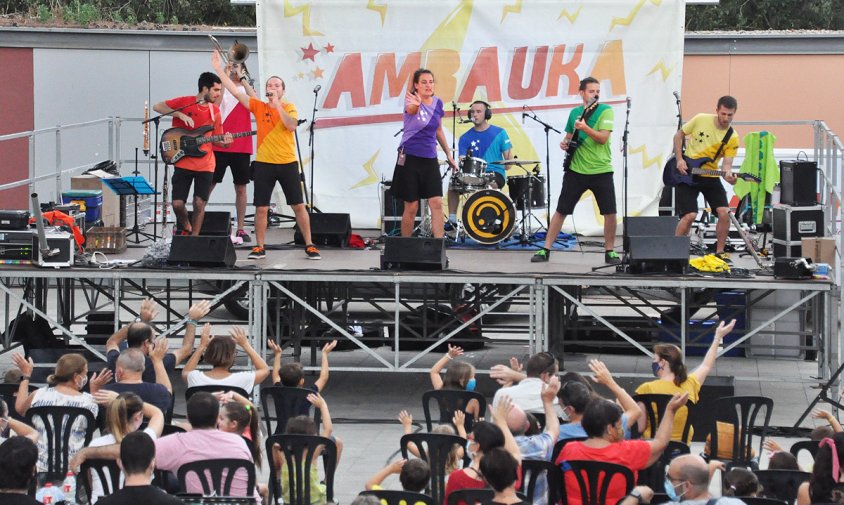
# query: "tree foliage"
{"points": [[84, 12], [767, 15]]}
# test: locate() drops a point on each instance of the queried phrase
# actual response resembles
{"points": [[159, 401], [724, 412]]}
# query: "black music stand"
{"points": [[132, 186]]}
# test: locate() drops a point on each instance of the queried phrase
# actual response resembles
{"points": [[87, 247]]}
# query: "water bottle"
{"points": [[69, 489], [49, 495]]}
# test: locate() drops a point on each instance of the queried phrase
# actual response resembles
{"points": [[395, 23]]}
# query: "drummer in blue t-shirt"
{"points": [[487, 142]]}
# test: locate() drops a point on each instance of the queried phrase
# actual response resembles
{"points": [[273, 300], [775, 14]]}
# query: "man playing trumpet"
{"points": [[276, 160]]}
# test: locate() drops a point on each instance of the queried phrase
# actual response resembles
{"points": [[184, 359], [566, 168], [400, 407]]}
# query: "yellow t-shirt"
{"points": [[376, 487], [276, 144], [662, 387], [703, 138]]}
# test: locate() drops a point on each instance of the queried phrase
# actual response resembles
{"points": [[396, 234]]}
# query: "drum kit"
{"points": [[489, 215]]}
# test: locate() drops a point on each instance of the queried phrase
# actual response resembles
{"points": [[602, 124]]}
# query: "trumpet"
{"points": [[236, 55]]}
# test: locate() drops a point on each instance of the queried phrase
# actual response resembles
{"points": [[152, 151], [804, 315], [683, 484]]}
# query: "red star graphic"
{"points": [[329, 48], [317, 73], [309, 52]]}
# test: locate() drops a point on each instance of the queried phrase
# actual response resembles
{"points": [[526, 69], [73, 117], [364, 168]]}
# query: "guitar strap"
{"points": [[723, 143]]}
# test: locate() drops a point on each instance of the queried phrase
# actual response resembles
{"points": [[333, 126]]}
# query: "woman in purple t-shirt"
{"points": [[417, 172]]}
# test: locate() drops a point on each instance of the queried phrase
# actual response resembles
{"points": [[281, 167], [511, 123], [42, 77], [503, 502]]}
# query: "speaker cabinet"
{"points": [[215, 223], [202, 251], [798, 183], [658, 254], [414, 253], [649, 226], [327, 229]]}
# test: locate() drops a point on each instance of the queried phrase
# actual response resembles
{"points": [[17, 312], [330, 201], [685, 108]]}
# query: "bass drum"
{"points": [[518, 187], [488, 216]]}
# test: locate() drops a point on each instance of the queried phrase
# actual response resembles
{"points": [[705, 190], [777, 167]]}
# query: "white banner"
{"points": [[361, 55]]}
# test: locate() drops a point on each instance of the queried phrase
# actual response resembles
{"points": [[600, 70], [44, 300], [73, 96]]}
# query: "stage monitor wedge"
{"points": [[659, 254], [662, 226], [215, 223], [414, 253], [327, 229], [202, 251]]}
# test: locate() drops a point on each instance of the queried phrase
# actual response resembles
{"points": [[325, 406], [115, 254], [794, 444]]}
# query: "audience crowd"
{"points": [[538, 415]]}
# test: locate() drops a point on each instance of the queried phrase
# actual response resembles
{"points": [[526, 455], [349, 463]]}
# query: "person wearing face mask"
{"points": [[458, 376], [673, 377], [687, 482], [125, 412], [826, 485], [64, 390], [602, 423]]}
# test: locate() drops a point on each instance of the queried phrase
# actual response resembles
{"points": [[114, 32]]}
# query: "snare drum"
{"points": [[519, 190], [488, 216], [472, 171]]}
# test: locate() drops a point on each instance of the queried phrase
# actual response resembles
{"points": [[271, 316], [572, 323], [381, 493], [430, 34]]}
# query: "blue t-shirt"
{"points": [[489, 144], [575, 430], [155, 394], [424, 143]]}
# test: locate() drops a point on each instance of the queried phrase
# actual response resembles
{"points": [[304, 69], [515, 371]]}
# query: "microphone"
{"points": [[463, 121], [629, 100], [317, 88], [524, 108], [676, 95], [301, 121]]}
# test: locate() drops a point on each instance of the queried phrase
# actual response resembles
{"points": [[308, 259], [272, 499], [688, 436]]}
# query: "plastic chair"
{"points": [[433, 448], [594, 477], [106, 471], [9, 393], [558, 447], [170, 429], [449, 401], [743, 412], [213, 469], [470, 496], [660, 498], [805, 445], [532, 471], [286, 402], [214, 388], [755, 500], [58, 425], [781, 484], [393, 497], [298, 451], [655, 405], [654, 475], [541, 419]]}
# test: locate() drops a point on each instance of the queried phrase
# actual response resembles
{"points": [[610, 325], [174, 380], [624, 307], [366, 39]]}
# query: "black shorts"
{"points": [[239, 163], [182, 180], [575, 184], [712, 189], [265, 177], [418, 179]]}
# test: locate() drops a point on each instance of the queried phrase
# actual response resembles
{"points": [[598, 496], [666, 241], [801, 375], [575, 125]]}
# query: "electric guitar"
{"points": [[176, 143], [671, 177], [574, 142]]}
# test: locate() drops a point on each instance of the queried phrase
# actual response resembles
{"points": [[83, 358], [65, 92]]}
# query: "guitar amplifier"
{"points": [[14, 219]]}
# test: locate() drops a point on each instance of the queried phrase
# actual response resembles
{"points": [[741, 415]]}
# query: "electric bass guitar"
{"points": [[574, 142], [671, 177], [176, 143]]}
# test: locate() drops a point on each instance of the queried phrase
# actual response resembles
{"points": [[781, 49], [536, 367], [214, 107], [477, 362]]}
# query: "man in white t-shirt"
{"points": [[527, 393]]}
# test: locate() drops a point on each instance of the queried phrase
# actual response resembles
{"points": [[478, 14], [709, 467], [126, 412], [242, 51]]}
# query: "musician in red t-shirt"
{"points": [[198, 111]]}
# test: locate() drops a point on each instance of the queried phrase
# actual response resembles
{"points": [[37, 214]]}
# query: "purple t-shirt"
{"points": [[424, 143]]}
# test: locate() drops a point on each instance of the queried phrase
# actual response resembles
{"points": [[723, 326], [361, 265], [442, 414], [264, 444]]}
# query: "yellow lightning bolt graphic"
{"points": [[305, 11], [626, 21], [662, 69], [647, 161], [516, 8], [371, 176], [572, 17], [379, 8]]}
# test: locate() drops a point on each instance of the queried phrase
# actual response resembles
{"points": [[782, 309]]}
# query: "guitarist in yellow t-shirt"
{"points": [[707, 136]]}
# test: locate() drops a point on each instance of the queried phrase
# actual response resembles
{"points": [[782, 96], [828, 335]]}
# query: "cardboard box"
{"points": [[820, 250]]}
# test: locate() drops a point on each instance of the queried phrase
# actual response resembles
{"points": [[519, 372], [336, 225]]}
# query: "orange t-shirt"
{"points": [[276, 144], [202, 115]]}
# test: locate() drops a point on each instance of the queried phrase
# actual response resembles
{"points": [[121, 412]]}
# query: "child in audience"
{"points": [[459, 375], [14, 426], [501, 471], [220, 352], [238, 415], [741, 482], [825, 484], [456, 454], [293, 374], [304, 425], [414, 475]]}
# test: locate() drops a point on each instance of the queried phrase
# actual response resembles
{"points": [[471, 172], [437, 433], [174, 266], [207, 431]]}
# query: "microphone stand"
{"points": [[454, 110], [311, 128], [548, 128], [155, 120], [667, 197]]}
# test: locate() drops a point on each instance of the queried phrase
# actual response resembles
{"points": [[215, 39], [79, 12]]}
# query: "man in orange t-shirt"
{"points": [[275, 160], [191, 113]]}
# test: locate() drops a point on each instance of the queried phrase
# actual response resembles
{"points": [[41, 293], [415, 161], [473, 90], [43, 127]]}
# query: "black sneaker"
{"points": [[725, 257], [612, 258], [312, 252], [243, 236], [257, 253], [541, 256]]}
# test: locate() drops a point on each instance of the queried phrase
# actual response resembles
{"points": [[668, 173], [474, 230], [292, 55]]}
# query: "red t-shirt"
{"points": [[202, 115], [633, 454], [236, 119], [463, 479]]}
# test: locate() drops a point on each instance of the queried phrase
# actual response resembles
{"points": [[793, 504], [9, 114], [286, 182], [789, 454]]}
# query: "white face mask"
{"points": [[84, 381]]}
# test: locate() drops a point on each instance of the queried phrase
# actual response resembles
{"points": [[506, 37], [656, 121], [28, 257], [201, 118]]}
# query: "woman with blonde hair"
{"points": [[64, 389]]}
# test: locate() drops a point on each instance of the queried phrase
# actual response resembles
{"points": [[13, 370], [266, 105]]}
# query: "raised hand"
{"points": [[24, 365], [104, 396], [199, 310], [328, 347], [239, 335], [148, 310], [275, 347], [454, 351]]}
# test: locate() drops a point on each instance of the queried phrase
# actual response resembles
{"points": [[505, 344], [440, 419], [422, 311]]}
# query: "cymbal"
{"points": [[516, 162]]}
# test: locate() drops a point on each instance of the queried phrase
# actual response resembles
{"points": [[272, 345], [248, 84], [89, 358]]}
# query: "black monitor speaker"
{"points": [[202, 251], [414, 253], [327, 229]]}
